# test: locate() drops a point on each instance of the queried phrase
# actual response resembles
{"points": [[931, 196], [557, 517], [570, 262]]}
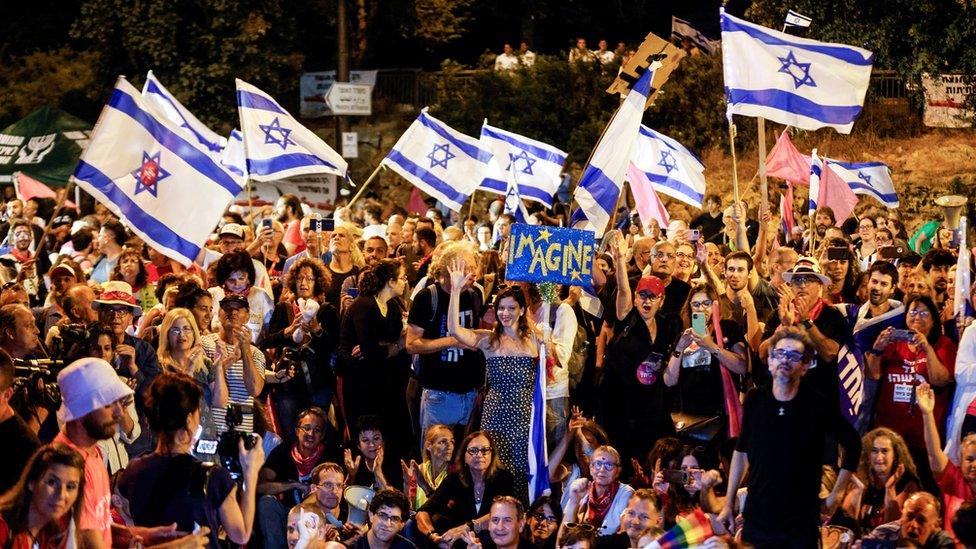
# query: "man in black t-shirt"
{"points": [[785, 427], [18, 439], [449, 373], [388, 512], [710, 221]]}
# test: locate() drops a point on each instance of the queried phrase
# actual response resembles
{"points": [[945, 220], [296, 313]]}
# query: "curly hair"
{"points": [[373, 280], [142, 276], [234, 261], [323, 278], [901, 457]]}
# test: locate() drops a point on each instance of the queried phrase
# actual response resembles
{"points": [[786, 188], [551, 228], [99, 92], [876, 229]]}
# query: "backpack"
{"points": [[577, 360]]}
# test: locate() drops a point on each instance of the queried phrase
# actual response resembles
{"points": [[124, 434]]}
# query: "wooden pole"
{"points": [[763, 187], [471, 207], [735, 174], [57, 208], [366, 183]]}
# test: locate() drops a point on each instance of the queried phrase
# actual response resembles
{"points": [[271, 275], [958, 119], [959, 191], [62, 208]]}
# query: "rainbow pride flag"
{"points": [[690, 531]]}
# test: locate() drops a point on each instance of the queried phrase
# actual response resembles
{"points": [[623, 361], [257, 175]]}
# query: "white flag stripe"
{"points": [[154, 92], [539, 164], [670, 167], [869, 179]]}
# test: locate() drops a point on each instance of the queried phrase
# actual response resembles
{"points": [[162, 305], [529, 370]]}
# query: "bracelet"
{"points": [[676, 354]]}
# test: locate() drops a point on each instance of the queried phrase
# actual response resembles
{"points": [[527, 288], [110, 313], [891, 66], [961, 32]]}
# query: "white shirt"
{"points": [[563, 336], [506, 62]]}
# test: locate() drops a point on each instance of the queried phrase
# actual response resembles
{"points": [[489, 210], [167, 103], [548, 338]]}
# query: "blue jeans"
{"points": [[272, 517], [557, 418], [444, 407]]}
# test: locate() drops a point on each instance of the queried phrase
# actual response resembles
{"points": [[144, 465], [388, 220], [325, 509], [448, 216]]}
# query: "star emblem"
{"points": [[149, 173], [668, 161], [275, 127], [544, 234], [794, 68], [440, 160], [575, 275], [512, 200], [865, 177], [513, 158]]}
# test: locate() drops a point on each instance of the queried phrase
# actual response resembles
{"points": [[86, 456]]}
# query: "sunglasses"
{"points": [[787, 355]]}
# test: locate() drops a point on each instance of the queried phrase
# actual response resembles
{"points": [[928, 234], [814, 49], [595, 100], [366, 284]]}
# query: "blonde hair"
{"points": [[166, 360], [449, 252], [355, 254]]}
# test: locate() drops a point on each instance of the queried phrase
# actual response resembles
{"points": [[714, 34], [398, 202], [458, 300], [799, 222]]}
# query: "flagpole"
{"points": [[365, 184], [471, 207], [57, 208], [735, 175], [763, 186]]}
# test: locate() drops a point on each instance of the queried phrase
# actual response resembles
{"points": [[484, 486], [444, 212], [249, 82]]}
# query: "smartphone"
{"points": [[891, 252], [902, 335], [698, 323], [315, 225], [266, 223], [694, 235], [676, 476], [838, 253]]}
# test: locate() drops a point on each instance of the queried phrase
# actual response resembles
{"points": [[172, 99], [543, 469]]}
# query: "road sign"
{"points": [[350, 99], [350, 145]]}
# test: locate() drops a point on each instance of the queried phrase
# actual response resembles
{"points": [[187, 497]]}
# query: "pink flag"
{"points": [[416, 204], [786, 213], [649, 205], [785, 162], [27, 187], [836, 193]]}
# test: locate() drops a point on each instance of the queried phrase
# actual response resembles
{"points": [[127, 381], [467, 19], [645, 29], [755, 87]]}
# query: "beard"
{"points": [[98, 430]]}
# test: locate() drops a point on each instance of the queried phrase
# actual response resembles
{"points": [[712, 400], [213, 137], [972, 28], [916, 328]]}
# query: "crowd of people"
{"points": [[366, 378]]}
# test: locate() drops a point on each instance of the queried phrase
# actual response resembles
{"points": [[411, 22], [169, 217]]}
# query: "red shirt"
{"points": [[901, 371], [96, 506], [955, 492], [23, 540]]}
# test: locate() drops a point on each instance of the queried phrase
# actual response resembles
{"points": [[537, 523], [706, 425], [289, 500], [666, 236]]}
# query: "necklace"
{"points": [[781, 411]]}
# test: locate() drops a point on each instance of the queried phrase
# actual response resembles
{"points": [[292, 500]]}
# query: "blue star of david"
{"points": [[865, 177], [275, 127], [512, 199], [513, 158], [149, 173], [789, 62], [668, 161], [440, 160]]}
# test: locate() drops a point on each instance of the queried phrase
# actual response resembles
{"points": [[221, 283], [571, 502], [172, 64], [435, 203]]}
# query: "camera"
{"points": [[227, 443], [71, 342], [838, 253], [35, 386]]}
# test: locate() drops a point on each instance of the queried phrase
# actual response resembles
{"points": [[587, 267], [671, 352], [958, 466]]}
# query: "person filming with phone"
{"points": [[900, 360], [695, 365]]}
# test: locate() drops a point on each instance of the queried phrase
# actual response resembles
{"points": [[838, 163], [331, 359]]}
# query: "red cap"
{"points": [[651, 284]]}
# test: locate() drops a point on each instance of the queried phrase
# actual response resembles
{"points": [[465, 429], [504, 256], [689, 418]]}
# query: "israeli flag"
{"points": [[233, 157], [797, 19], [513, 201], [154, 92], [670, 167], [794, 81], [276, 145], [148, 171], [537, 165], [868, 178], [538, 452], [601, 182], [816, 169], [439, 160]]}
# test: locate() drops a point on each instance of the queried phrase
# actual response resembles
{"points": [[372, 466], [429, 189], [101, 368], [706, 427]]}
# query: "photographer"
{"points": [[78, 311], [14, 432], [171, 486]]}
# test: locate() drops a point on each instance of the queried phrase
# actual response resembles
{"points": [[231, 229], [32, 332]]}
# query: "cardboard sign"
{"points": [[550, 254]]}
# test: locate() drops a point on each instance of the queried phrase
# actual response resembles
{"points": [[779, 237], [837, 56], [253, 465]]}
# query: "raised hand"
{"points": [[458, 274], [351, 464], [925, 398]]}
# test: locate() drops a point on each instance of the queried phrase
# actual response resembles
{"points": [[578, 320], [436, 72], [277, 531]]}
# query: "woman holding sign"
{"points": [[633, 408], [511, 350]]}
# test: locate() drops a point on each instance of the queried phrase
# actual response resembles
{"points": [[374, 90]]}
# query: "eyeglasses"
{"points": [[787, 355], [683, 255], [187, 330], [803, 280], [116, 311], [603, 465], [388, 518], [662, 255], [308, 429], [330, 486], [305, 279], [474, 450], [920, 313], [647, 295], [701, 304], [541, 517]]}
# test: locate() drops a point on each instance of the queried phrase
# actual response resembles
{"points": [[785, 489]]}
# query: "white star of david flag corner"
{"points": [[790, 80], [869, 179], [155, 93], [670, 167], [276, 145], [153, 175], [537, 166], [439, 160]]}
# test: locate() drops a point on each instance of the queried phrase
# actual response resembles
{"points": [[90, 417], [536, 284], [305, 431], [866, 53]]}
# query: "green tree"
{"points": [[45, 78]]}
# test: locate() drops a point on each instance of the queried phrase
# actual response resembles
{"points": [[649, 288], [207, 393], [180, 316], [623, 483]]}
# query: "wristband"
{"points": [[808, 324], [676, 354]]}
